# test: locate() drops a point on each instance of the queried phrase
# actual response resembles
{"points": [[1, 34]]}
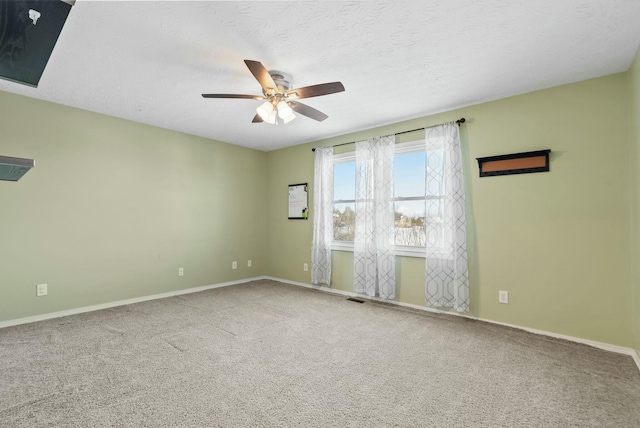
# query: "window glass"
{"points": [[418, 198], [409, 185], [344, 181], [408, 174], [344, 195], [409, 223]]}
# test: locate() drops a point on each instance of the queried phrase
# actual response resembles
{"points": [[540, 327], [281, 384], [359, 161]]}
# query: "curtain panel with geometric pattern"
{"points": [[446, 268], [322, 216], [374, 259]]}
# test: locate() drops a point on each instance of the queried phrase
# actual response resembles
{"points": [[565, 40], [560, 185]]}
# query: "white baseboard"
{"points": [[81, 310], [636, 358], [595, 344], [26, 320]]}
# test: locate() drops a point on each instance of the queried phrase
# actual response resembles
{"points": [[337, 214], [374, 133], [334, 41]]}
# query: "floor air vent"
{"points": [[352, 299]]}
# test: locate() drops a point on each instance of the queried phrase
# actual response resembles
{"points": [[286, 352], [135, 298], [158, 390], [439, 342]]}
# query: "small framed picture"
{"points": [[298, 202]]}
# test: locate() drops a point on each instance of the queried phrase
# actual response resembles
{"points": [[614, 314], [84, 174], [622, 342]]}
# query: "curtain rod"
{"points": [[458, 122]]}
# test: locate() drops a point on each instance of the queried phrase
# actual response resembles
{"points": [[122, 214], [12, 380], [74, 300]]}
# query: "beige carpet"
{"points": [[266, 354]]}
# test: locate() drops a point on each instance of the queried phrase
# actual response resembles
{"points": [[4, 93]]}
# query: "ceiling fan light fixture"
{"points": [[273, 116], [289, 118], [265, 110], [284, 111]]}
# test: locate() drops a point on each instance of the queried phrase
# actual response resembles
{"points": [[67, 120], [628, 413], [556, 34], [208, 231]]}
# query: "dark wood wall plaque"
{"points": [[515, 163]]}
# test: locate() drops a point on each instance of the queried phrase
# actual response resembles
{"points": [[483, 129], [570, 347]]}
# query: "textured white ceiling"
{"points": [[150, 61]]}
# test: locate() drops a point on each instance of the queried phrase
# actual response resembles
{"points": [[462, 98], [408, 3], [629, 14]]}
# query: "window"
{"points": [[344, 194], [414, 201]]}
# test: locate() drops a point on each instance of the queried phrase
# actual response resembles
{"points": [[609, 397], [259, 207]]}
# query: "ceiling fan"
{"points": [[280, 99]]}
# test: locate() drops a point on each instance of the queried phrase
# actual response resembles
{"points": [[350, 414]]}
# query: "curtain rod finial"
{"points": [[461, 121]]}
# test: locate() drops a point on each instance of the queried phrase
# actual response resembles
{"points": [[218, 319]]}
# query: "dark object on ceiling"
{"points": [[29, 30]]}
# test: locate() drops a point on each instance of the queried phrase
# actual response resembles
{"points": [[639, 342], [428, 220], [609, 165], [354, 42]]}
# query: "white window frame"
{"points": [[401, 148]]}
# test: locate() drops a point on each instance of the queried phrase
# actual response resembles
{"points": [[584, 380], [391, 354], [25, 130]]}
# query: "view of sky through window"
{"points": [[408, 176], [409, 192]]}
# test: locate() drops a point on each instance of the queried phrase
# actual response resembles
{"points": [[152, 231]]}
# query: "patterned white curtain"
{"points": [[322, 216], [447, 278], [374, 262]]}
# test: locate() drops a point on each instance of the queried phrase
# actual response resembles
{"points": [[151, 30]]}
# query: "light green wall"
{"points": [[557, 241], [634, 81], [113, 208]]}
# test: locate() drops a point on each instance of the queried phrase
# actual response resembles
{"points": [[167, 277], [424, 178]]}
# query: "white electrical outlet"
{"points": [[234, 265], [180, 271], [503, 296], [305, 267], [41, 290], [248, 263]]}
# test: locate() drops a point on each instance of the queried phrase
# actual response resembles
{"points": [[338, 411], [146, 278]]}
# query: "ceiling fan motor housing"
{"points": [[282, 80]]}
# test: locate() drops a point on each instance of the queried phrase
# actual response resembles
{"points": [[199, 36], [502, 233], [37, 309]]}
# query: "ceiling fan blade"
{"points": [[316, 90], [305, 110], [247, 97], [257, 119], [261, 74]]}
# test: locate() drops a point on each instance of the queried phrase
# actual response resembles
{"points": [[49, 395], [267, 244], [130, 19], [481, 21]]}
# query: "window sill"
{"points": [[401, 250]]}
